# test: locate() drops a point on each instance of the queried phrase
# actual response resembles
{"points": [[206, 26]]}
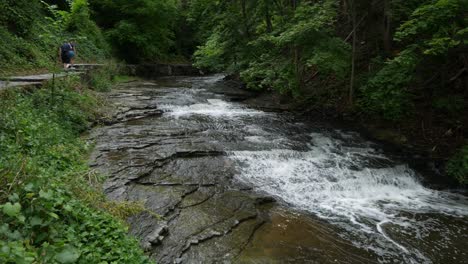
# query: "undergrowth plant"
{"points": [[51, 209], [102, 78], [32, 31], [457, 167]]}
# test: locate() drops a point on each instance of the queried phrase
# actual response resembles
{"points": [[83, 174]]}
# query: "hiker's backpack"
{"points": [[66, 48]]}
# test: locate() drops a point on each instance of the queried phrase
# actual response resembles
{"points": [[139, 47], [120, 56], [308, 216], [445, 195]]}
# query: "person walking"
{"points": [[67, 52]]}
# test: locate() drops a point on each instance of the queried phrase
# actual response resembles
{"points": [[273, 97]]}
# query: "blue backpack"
{"points": [[67, 49]]}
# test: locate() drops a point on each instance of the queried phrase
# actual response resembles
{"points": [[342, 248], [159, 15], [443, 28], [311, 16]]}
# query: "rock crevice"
{"points": [[177, 173]]}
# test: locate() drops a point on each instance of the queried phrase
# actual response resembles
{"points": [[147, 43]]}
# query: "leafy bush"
{"points": [[277, 53], [44, 219], [270, 71], [386, 93], [20, 16], [102, 78], [92, 44], [139, 30], [43, 223], [452, 105], [32, 31], [457, 167], [17, 53], [331, 56], [434, 29], [210, 55]]}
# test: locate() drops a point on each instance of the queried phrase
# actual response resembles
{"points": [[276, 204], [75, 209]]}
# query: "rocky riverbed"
{"points": [[223, 182]]}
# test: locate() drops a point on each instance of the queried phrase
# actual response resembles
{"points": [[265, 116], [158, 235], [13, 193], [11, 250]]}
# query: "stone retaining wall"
{"points": [[160, 70]]}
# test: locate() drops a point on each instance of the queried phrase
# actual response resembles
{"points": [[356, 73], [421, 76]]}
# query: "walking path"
{"points": [[36, 80]]}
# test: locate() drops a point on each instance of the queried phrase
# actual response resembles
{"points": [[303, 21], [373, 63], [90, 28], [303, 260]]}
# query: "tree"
{"points": [[139, 30]]}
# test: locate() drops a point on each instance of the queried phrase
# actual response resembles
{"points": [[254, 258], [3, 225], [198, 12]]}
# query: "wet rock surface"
{"points": [[180, 173], [177, 145]]}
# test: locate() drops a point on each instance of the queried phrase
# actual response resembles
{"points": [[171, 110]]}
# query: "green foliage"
{"points": [[20, 16], [386, 93], [272, 46], [19, 23], [32, 31], [210, 55], [50, 226], [331, 56], [42, 218], [310, 22], [17, 52], [225, 31], [40, 135], [436, 27], [102, 78], [139, 30], [303, 48], [299, 48], [452, 105], [270, 71], [91, 41], [457, 167]]}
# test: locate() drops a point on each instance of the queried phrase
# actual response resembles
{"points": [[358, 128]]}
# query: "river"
{"points": [[226, 182]]}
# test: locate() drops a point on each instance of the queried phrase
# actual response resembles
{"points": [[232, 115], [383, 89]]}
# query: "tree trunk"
{"points": [[386, 28], [352, 6], [294, 4], [244, 17], [269, 25]]}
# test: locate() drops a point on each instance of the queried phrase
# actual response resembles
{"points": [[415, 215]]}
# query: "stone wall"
{"points": [[159, 70]]}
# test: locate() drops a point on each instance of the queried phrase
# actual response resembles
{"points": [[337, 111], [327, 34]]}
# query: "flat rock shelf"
{"points": [[225, 183], [31, 80]]}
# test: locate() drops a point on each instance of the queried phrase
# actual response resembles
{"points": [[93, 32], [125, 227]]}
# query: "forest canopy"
{"points": [[402, 62], [400, 65]]}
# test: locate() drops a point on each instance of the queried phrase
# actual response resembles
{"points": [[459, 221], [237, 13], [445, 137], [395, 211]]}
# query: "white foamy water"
{"points": [[212, 108], [334, 182], [374, 202]]}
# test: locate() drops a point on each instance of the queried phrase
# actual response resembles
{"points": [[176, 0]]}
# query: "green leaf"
{"points": [[11, 209], [21, 218], [29, 187], [68, 208], [4, 229], [5, 250], [35, 221], [68, 255], [54, 215], [46, 195], [13, 198]]}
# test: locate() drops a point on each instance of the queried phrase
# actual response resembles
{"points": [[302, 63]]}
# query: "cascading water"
{"points": [[374, 202], [354, 187]]}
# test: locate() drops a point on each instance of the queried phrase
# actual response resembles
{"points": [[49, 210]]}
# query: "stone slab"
{"points": [[37, 78], [5, 85]]}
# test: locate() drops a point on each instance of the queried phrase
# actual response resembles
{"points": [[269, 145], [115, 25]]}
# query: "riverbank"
{"points": [[201, 213], [52, 208], [231, 183]]}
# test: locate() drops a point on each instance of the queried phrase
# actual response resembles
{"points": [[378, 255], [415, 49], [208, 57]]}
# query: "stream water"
{"points": [[237, 184]]}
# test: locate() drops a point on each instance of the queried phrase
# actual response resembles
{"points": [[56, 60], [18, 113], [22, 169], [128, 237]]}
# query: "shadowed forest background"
{"points": [[404, 62], [398, 67]]}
